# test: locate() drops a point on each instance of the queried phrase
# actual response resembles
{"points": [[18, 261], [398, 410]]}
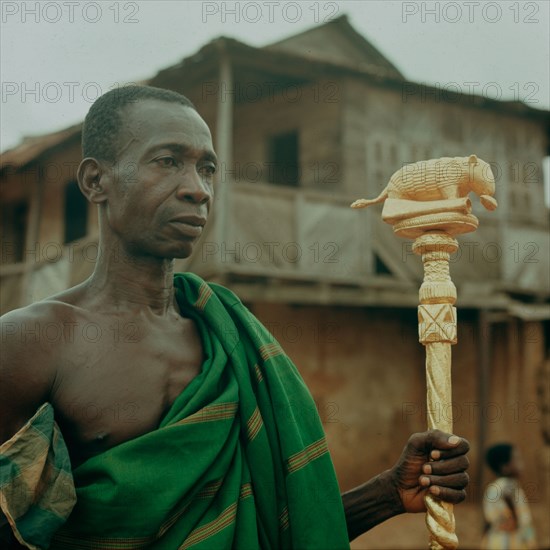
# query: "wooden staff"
{"points": [[428, 201]]}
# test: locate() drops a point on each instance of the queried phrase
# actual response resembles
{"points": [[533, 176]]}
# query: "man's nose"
{"points": [[192, 188]]}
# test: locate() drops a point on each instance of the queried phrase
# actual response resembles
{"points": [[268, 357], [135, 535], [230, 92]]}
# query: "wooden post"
{"points": [[32, 238], [224, 147]]}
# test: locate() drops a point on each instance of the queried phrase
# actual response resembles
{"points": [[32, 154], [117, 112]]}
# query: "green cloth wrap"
{"points": [[239, 461]]}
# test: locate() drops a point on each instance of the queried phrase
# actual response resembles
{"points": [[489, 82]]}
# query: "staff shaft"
{"points": [[437, 331]]}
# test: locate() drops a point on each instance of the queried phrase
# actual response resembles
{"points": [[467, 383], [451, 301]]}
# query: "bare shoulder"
{"points": [[35, 327], [32, 340]]}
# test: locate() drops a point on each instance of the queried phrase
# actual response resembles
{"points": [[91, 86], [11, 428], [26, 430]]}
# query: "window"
{"points": [[76, 213], [14, 231], [284, 159], [380, 268]]}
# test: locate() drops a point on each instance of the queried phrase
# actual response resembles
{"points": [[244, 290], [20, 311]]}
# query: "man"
{"points": [[199, 443]]}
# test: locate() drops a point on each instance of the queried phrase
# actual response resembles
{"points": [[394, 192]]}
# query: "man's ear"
{"points": [[91, 179]]}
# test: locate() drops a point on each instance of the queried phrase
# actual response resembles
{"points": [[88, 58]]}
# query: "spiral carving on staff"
{"points": [[441, 524], [439, 516]]}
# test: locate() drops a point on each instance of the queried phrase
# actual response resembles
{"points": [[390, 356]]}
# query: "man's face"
{"points": [[162, 182]]}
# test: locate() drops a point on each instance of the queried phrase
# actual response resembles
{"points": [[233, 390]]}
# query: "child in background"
{"points": [[508, 519]]}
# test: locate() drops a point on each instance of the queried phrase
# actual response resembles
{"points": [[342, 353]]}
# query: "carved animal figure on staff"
{"points": [[439, 179]]}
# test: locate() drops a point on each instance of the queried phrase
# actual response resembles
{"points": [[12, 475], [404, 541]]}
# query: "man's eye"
{"points": [[208, 170], [167, 161]]}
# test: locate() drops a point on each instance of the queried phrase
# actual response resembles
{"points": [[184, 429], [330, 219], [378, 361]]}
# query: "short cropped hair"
{"points": [[104, 119], [498, 456]]}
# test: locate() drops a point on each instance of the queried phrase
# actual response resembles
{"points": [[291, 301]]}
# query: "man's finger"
{"points": [[445, 454], [446, 467], [454, 481], [454, 496], [438, 440]]}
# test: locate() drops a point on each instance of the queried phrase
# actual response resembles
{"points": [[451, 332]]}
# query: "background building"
{"points": [[302, 128]]}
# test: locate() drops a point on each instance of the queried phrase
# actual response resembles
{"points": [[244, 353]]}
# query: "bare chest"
{"points": [[118, 386]]}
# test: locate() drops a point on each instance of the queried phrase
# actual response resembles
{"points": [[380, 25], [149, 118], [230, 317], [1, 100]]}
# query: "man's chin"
{"points": [[171, 251], [182, 252]]}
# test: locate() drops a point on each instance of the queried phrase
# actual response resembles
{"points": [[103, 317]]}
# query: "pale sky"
{"points": [[57, 56]]}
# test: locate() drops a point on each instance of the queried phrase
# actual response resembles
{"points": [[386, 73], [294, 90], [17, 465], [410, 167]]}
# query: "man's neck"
{"points": [[134, 282]]}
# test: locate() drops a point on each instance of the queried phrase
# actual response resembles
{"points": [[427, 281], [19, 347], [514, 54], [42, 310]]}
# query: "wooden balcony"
{"points": [[296, 245]]}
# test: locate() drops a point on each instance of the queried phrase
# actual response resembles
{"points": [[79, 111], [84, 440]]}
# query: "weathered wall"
{"points": [[515, 413]]}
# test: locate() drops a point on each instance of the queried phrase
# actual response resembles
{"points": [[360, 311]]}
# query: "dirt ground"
{"points": [[409, 531]]}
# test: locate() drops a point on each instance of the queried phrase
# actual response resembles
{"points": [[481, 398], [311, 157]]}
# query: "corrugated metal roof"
{"points": [[32, 147]]}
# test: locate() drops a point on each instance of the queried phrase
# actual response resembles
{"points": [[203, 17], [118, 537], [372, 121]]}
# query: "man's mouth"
{"points": [[191, 219], [189, 225]]}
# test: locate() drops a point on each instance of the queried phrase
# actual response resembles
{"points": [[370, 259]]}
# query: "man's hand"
{"points": [[433, 462]]}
